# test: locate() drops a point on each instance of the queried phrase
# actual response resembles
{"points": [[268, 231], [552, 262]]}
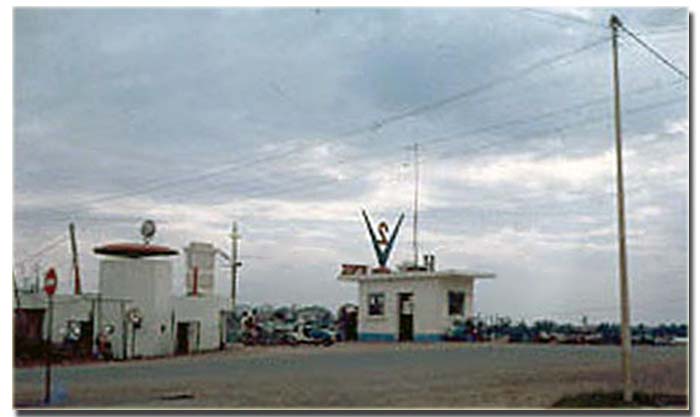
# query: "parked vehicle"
{"points": [[468, 330], [308, 333], [461, 332]]}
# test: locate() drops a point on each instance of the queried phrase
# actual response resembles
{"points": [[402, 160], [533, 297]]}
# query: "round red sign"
{"points": [[50, 282]]}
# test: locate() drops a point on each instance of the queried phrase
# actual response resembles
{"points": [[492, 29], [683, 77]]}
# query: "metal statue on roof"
{"points": [[382, 245]]}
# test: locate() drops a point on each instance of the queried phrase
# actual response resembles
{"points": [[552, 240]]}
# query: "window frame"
{"points": [[381, 301], [463, 302]]}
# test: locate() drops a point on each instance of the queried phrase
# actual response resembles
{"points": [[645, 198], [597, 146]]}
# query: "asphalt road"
{"points": [[358, 375]]}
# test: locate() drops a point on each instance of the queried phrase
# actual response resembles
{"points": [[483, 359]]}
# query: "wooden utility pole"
{"points": [[415, 205], [16, 291], [235, 264], [49, 335], [76, 269], [626, 339]]}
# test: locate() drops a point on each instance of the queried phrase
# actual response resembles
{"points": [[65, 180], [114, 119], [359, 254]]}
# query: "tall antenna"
{"points": [[415, 205]]}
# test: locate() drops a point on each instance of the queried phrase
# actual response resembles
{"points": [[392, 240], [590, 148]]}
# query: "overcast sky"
{"points": [[290, 121]]}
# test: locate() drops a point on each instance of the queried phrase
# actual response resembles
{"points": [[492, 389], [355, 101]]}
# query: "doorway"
{"points": [[187, 337], [405, 317], [183, 339]]}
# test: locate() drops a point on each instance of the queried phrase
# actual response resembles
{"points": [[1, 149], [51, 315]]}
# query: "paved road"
{"points": [[359, 375]]}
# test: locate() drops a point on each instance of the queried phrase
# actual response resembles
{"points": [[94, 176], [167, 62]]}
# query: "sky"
{"points": [[291, 121]]}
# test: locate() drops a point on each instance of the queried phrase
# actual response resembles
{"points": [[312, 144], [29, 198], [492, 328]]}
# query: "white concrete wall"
{"points": [[205, 310], [431, 317], [426, 306], [465, 285], [79, 307], [113, 314], [148, 283], [202, 256]]}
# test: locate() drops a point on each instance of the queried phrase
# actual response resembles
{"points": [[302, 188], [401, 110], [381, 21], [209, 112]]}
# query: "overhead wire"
{"points": [[53, 244], [381, 124], [644, 44], [257, 191], [316, 185], [496, 126], [500, 125], [375, 125], [655, 53], [307, 188], [307, 185]]}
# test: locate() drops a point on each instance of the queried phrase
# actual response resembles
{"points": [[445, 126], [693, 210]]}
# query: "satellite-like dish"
{"points": [[74, 330], [108, 330], [148, 230], [134, 316]]}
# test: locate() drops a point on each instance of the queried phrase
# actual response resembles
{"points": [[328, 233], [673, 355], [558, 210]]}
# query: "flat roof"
{"points": [[401, 275]]}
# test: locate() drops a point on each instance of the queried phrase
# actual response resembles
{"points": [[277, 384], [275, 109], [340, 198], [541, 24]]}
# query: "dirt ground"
{"points": [[440, 375]]}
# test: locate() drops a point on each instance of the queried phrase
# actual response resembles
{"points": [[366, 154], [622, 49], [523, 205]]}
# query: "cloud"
{"points": [[278, 109], [533, 172]]}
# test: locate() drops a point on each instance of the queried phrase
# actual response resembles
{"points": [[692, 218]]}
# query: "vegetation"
{"points": [[502, 328], [614, 400]]}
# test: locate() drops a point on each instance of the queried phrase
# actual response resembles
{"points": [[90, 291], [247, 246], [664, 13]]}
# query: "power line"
{"points": [[332, 181], [310, 186], [48, 247], [654, 52], [657, 54], [307, 188], [583, 122], [459, 96], [460, 135], [313, 186], [374, 126]]}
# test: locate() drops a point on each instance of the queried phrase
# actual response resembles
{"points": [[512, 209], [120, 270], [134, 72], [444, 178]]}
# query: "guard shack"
{"points": [[413, 301], [411, 304]]}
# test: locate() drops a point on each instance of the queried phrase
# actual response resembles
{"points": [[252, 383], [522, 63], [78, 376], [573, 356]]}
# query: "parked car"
{"points": [[461, 332], [308, 333]]}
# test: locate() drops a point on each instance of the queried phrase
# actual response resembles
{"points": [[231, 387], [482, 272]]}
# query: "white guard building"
{"points": [[135, 299], [405, 305]]}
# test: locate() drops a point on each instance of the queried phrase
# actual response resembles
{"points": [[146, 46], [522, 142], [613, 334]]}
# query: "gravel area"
{"points": [[354, 375]]}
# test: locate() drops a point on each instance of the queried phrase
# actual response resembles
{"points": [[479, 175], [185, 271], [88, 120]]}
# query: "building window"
{"points": [[376, 304], [455, 302]]}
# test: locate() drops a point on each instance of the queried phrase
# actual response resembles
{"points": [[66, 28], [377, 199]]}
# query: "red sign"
{"points": [[381, 270], [353, 269], [50, 282]]}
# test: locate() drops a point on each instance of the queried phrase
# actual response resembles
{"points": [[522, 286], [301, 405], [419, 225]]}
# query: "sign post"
{"points": [[50, 283]]}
